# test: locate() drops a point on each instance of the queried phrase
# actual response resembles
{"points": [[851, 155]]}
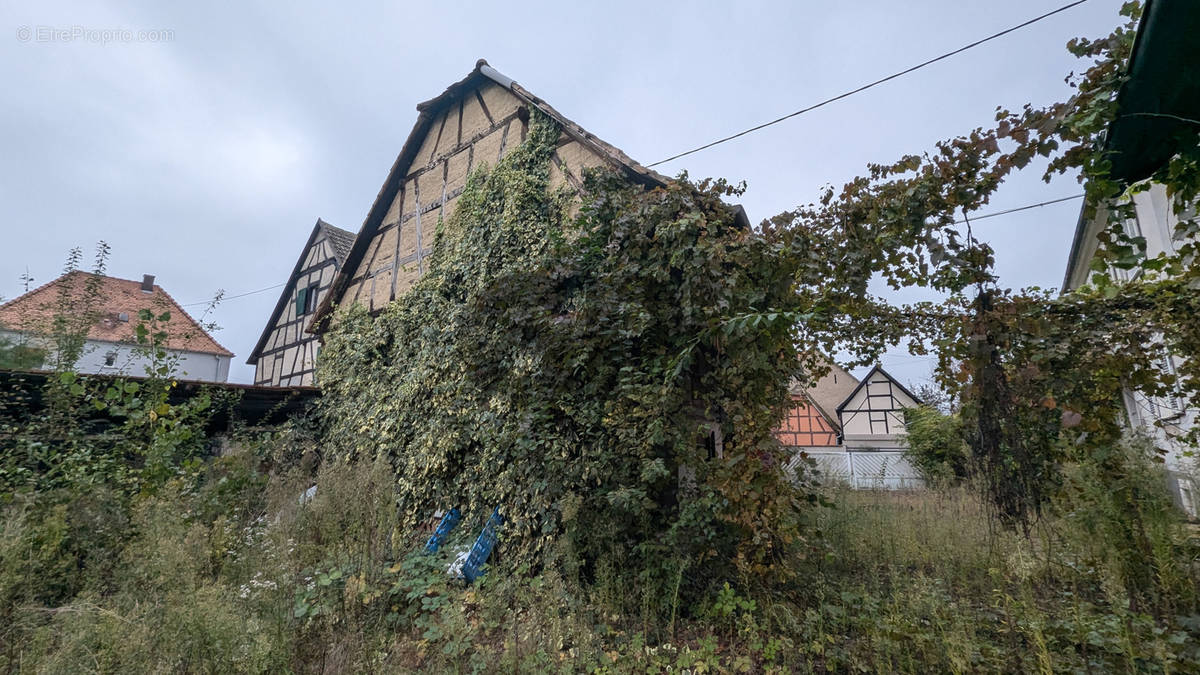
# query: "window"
{"points": [[1133, 226], [1174, 400], [1185, 213], [306, 300], [110, 359]]}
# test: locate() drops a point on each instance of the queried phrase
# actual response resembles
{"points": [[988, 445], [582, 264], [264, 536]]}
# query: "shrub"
{"points": [[935, 444]]}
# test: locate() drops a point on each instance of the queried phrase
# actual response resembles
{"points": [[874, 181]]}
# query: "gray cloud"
{"points": [[206, 159]]}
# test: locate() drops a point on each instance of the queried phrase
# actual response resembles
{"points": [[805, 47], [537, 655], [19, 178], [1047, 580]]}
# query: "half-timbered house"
{"points": [[872, 416], [286, 353], [806, 427], [852, 430], [814, 407], [873, 430], [475, 121]]}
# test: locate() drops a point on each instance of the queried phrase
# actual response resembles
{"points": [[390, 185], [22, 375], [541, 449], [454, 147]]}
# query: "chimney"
{"points": [[147, 283]]}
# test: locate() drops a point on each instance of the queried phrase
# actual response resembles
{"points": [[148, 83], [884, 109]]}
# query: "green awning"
{"points": [[1160, 103]]}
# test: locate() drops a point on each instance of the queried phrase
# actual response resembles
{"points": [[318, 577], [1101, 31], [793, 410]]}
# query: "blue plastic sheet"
{"points": [[473, 568], [449, 522]]}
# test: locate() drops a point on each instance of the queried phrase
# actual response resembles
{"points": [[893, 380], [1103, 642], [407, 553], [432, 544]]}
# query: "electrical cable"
{"points": [[872, 84], [1020, 208], [233, 297]]}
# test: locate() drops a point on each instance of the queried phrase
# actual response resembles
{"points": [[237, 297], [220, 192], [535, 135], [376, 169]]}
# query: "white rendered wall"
{"points": [[129, 360], [1162, 418]]}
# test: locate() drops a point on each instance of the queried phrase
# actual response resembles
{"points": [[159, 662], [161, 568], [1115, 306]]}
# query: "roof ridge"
{"points": [[340, 241], [878, 368], [335, 228], [44, 286], [332, 233], [114, 283], [427, 112]]}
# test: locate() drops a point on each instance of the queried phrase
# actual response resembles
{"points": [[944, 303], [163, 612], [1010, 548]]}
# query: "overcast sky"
{"points": [[204, 150]]}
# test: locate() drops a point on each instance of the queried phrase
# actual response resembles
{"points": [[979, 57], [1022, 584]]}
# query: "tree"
{"points": [[1039, 377], [17, 356]]}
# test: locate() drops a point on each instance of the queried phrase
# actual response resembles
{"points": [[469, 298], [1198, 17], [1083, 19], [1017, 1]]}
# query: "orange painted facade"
{"points": [[805, 426]]}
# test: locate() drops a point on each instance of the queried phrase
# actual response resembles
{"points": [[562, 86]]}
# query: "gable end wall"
{"points": [[482, 126], [289, 356]]}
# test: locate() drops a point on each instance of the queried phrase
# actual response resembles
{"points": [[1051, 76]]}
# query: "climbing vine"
{"points": [[1040, 378], [609, 377], [572, 362]]}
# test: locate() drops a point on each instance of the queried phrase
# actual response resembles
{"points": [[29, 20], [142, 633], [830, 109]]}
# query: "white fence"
{"points": [[864, 469]]}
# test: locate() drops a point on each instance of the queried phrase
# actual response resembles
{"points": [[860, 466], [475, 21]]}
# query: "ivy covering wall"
{"points": [[572, 362]]}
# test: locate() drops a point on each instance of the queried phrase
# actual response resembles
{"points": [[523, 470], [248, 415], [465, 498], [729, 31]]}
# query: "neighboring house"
{"points": [[1152, 108], [475, 121], [108, 309], [1164, 419], [828, 392], [867, 448], [873, 430], [286, 353], [872, 416], [811, 434], [807, 428]]}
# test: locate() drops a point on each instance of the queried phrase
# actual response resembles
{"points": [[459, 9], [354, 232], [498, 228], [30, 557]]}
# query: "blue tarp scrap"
{"points": [[449, 522], [472, 569]]}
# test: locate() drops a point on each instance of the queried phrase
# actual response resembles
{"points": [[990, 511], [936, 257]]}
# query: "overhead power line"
{"points": [[872, 84], [1020, 208], [233, 297]]}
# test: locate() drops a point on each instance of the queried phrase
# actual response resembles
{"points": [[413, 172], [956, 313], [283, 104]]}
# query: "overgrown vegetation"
{"points": [[935, 444], [579, 373], [115, 434], [225, 569], [608, 378], [17, 356]]}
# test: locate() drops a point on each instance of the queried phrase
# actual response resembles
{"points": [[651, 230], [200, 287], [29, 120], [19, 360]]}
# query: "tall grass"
{"points": [[230, 571]]}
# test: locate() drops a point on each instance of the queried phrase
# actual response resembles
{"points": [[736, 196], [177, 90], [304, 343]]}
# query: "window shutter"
{"points": [[301, 301], [311, 299]]}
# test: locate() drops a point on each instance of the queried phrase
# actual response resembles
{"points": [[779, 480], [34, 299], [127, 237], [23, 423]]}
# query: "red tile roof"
{"points": [[34, 311]]}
